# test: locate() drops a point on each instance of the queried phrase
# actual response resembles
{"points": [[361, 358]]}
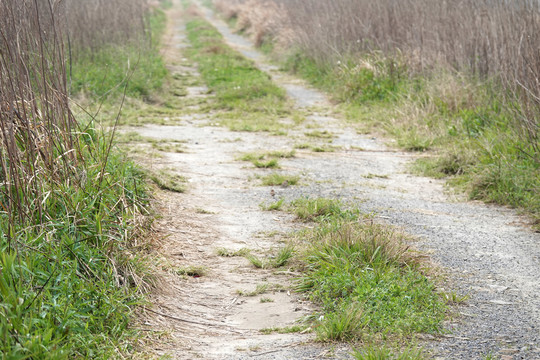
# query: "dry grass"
{"points": [[36, 140], [94, 23], [484, 38]]}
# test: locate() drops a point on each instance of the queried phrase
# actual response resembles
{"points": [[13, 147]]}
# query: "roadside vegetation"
{"points": [[73, 208], [457, 80], [114, 48]]}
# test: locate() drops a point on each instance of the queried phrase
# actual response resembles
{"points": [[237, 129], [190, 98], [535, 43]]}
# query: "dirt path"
{"points": [[488, 254]]}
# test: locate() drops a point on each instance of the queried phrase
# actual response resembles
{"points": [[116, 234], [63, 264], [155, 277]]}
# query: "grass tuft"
{"points": [[385, 353], [233, 253], [343, 324], [167, 180], [269, 164], [318, 209], [275, 206], [279, 179], [192, 271], [371, 265]]}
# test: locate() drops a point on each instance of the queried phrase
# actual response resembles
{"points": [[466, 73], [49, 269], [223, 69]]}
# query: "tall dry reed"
{"points": [[489, 39], [95, 23], [37, 128]]}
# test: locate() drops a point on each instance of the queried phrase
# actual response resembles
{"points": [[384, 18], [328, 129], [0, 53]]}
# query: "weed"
{"points": [[167, 180], [275, 206], [252, 156], [266, 160], [259, 289], [279, 179], [261, 160], [256, 261], [375, 176], [269, 164], [171, 148], [281, 154], [193, 271], [233, 253], [320, 134], [343, 324], [327, 148], [320, 208], [384, 353], [266, 300], [280, 259], [283, 256], [283, 330], [453, 298]]}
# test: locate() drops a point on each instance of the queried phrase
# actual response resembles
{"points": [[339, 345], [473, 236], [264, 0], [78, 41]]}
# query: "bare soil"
{"points": [[485, 251]]}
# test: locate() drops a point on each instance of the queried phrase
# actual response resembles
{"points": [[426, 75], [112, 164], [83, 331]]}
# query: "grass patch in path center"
{"points": [[368, 282], [251, 100]]}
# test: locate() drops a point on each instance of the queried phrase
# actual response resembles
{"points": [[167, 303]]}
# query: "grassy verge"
{"points": [[73, 256], [246, 96], [370, 285], [465, 123], [136, 66], [68, 283]]}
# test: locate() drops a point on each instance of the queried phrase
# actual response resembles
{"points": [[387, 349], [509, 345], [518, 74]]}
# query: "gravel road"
{"points": [[485, 252]]}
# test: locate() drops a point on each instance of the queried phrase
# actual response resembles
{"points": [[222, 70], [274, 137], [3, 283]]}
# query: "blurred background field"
{"points": [[457, 79]]}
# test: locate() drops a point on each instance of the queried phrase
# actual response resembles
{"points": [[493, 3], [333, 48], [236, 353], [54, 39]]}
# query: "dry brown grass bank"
{"points": [[483, 38]]}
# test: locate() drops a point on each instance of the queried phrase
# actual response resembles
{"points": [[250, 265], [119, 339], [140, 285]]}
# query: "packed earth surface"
{"points": [[484, 252]]}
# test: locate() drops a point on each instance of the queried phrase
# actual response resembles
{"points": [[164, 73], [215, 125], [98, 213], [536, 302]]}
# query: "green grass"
{"points": [[259, 289], [68, 285], [233, 253], [320, 209], [279, 179], [283, 330], [252, 156], [316, 148], [267, 160], [472, 132], [368, 282], [275, 206], [192, 271], [136, 66], [274, 261], [385, 353], [364, 276], [166, 179], [268, 164], [248, 98]]}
